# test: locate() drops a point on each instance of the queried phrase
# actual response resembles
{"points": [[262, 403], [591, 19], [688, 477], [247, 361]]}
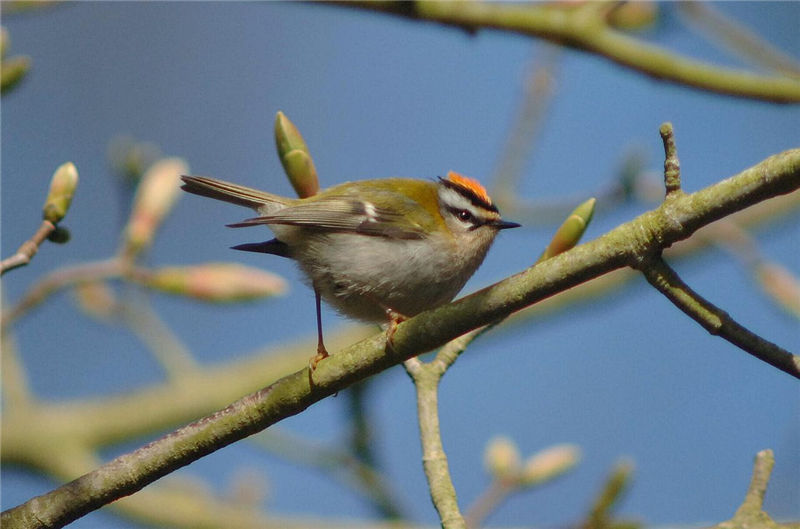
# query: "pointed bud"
{"points": [[12, 71], [214, 282], [615, 486], [550, 464], [570, 232], [295, 157], [501, 458], [157, 193], [62, 188]]}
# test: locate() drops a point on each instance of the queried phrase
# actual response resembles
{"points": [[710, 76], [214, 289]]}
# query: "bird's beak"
{"points": [[504, 224]]}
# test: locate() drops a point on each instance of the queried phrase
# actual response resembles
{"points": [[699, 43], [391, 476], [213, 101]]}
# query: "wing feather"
{"points": [[345, 215]]}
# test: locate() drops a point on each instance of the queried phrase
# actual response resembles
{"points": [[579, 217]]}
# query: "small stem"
{"points": [[488, 501], [716, 321], [362, 446], [434, 459], [609, 496], [426, 378], [536, 101], [28, 249], [672, 166], [16, 393], [59, 280], [762, 469], [740, 39]]}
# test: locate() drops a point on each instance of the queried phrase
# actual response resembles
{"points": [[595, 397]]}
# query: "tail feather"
{"points": [[233, 193]]}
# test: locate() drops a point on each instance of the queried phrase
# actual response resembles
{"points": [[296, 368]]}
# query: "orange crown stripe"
{"points": [[469, 183]]}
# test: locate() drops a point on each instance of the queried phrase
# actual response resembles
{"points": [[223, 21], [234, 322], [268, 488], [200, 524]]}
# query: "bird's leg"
{"points": [[322, 353], [395, 319]]}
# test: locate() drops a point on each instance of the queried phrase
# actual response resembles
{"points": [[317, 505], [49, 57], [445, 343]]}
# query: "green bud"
{"points": [[586, 211], [613, 489], [295, 157], [570, 232], [62, 188], [287, 137], [12, 71]]}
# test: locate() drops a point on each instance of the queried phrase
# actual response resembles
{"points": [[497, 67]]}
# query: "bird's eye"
{"points": [[464, 215]]}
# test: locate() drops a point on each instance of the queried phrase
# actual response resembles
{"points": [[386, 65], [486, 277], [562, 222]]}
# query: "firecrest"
{"points": [[376, 250]]}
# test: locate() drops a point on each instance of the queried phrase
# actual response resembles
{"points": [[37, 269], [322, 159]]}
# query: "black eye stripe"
{"points": [[470, 219], [469, 194]]}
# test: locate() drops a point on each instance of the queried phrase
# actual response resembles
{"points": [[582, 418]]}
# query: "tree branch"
{"points": [[586, 29], [426, 377], [715, 320], [626, 245]]}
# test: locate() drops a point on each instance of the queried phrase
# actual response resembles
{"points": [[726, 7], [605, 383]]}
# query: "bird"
{"points": [[380, 250]]}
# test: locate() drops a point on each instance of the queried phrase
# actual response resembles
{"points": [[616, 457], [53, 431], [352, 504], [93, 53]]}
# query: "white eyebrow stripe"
{"points": [[455, 200]]}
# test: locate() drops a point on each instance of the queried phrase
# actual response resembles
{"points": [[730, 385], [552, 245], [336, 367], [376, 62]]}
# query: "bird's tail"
{"points": [[235, 194]]}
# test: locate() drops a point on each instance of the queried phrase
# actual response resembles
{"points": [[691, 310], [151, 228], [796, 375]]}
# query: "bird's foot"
{"points": [[395, 319], [321, 355]]}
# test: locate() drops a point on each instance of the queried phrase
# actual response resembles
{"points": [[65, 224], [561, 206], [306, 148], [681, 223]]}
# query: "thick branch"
{"points": [[586, 30], [626, 245]]}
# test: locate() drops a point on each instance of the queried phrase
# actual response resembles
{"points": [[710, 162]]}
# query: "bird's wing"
{"points": [[343, 214]]}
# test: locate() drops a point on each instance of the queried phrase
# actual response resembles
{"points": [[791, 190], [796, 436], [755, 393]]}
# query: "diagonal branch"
{"points": [[585, 29], [626, 245], [715, 320]]}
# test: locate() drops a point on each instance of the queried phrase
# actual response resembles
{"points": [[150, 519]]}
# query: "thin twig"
{"points": [[426, 379], [59, 280], [717, 321], [738, 38], [751, 513], [609, 496], [536, 100], [16, 393], [762, 469], [586, 29], [672, 166], [714, 320], [340, 464], [487, 502], [362, 444], [28, 249]]}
